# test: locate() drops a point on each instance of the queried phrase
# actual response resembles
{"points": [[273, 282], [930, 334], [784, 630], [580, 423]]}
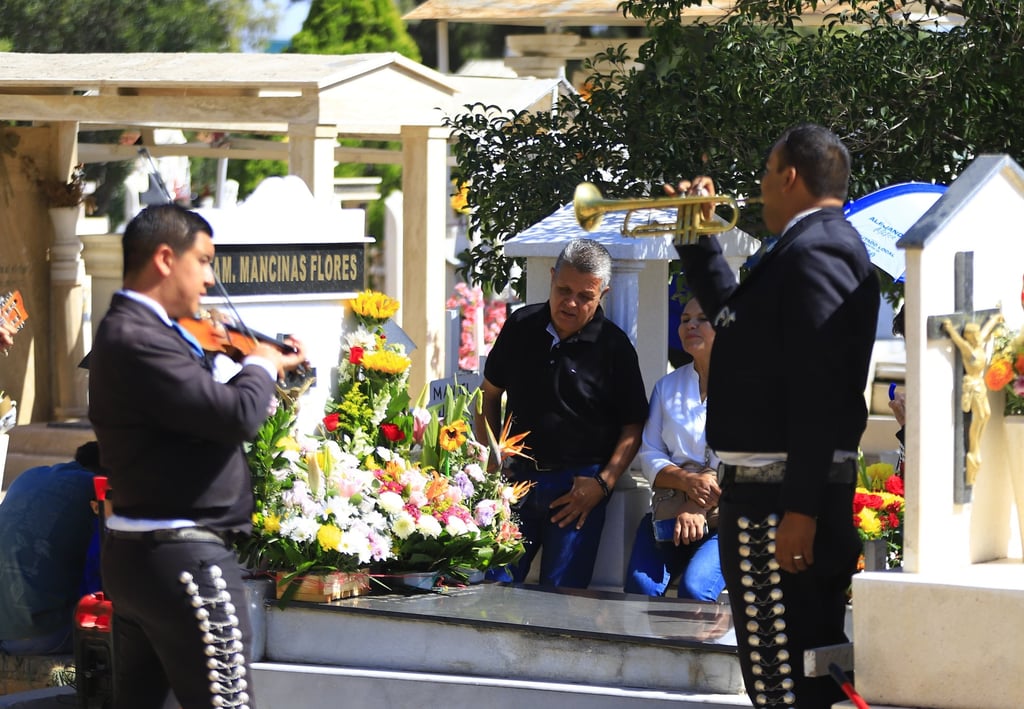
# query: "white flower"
{"points": [[456, 526], [391, 502], [292, 456], [355, 543], [301, 529], [360, 337], [475, 472], [428, 526], [299, 497], [404, 525]]}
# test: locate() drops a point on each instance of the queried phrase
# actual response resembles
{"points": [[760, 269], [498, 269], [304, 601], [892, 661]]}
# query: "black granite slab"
{"points": [[602, 615]]}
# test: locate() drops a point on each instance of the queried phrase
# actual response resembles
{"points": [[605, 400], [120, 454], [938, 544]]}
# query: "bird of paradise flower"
{"points": [[507, 446]]}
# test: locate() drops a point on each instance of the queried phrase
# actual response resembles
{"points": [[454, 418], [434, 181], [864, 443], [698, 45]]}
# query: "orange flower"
{"points": [[508, 446], [1018, 365], [437, 486], [519, 490], [453, 435], [999, 374]]}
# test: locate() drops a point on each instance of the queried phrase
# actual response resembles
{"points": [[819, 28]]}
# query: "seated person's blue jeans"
{"points": [[653, 565], [568, 553]]}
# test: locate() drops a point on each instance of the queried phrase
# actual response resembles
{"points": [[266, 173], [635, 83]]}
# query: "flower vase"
{"points": [[322, 588], [423, 580], [875, 553]]}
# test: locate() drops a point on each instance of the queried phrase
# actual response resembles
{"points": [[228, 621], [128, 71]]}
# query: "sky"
{"points": [[292, 17]]}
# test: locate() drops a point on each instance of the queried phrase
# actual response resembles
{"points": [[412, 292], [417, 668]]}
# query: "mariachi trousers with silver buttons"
{"points": [[180, 624], [778, 615]]}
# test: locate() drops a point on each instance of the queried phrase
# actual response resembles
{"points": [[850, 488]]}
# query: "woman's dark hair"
{"points": [[897, 323], [88, 455]]}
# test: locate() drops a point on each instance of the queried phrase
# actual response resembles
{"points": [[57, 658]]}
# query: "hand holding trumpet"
{"points": [[694, 201], [700, 186]]}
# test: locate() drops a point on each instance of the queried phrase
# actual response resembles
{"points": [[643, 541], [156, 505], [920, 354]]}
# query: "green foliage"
{"points": [[357, 27], [353, 27], [79, 26], [910, 103]]}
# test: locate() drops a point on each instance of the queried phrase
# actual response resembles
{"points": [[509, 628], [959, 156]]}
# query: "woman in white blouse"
{"points": [[674, 455]]}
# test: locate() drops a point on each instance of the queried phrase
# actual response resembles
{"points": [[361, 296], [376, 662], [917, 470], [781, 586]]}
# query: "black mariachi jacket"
{"points": [[792, 348]]}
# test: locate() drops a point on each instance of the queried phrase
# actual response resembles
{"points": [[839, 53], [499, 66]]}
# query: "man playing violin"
{"points": [[171, 437]]}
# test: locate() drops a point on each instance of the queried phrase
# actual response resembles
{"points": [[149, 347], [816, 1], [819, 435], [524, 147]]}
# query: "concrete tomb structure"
{"points": [[943, 632]]}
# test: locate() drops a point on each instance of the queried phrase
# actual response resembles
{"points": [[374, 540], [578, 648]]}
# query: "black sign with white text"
{"points": [[289, 269]]}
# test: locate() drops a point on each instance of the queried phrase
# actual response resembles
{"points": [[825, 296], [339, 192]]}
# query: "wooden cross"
{"points": [[963, 301]]}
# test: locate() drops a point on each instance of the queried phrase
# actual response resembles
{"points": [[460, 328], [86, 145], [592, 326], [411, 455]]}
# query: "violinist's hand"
{"points": [[700, 186], [282, 362]]}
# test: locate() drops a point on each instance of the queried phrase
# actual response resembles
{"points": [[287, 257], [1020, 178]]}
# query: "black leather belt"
{"points": [[527, 465], [844, 472], [178, 534]]}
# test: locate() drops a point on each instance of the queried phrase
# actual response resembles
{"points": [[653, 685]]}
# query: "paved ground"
{"points": [[53, 698]]}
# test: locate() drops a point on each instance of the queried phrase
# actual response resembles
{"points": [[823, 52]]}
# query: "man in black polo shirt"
{"points": [[573, 381]]}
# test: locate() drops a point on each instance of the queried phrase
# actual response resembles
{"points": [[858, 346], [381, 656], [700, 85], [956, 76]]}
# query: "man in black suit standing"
{"points": [[171, 437], [786, 411]]}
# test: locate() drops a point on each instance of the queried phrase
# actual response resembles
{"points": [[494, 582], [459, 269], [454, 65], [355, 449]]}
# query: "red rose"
{"points": [[355, 355], [331, 422], [894, 484], [392, 432]]}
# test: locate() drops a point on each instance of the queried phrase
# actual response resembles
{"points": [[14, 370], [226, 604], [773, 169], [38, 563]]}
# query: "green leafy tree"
{"points": [[357, 27], [910, 102], [80, 26], [354, 27]]}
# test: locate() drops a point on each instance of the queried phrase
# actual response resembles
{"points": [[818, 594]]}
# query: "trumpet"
{"points": [[590, 206]]}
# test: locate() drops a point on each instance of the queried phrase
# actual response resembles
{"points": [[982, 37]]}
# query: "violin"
{"points": [[216, 334]]}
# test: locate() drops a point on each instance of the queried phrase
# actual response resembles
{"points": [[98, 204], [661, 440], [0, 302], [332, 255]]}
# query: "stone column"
{"points": [[425, 208], [104, 264], [70, 304], [623, 298], [311, 157]]}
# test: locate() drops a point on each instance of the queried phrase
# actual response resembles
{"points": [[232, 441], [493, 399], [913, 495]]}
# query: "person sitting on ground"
{"points": [[673, 455], [47, 526]]}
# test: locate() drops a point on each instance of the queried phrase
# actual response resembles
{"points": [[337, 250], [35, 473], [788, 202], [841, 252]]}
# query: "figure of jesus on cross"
{"points": [[973, 346]]}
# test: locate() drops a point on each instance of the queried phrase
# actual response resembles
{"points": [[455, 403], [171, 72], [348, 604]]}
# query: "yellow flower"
{"points": [[386, 362], [329, 537], [453, 435], [371, 304], [878, 473], [289, 443], [271, 524], [458, 201], [869, 523]]}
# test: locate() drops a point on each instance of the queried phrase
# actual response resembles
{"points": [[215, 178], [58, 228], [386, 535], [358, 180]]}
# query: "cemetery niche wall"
{"points": [[932, 635]]}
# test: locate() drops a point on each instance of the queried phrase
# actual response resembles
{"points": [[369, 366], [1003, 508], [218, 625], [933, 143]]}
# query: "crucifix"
{"points": [[970, 331]]}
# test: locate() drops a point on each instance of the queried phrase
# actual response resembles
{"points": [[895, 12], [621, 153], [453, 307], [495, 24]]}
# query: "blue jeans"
{"points": [[569, 553], [652, 566]]}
